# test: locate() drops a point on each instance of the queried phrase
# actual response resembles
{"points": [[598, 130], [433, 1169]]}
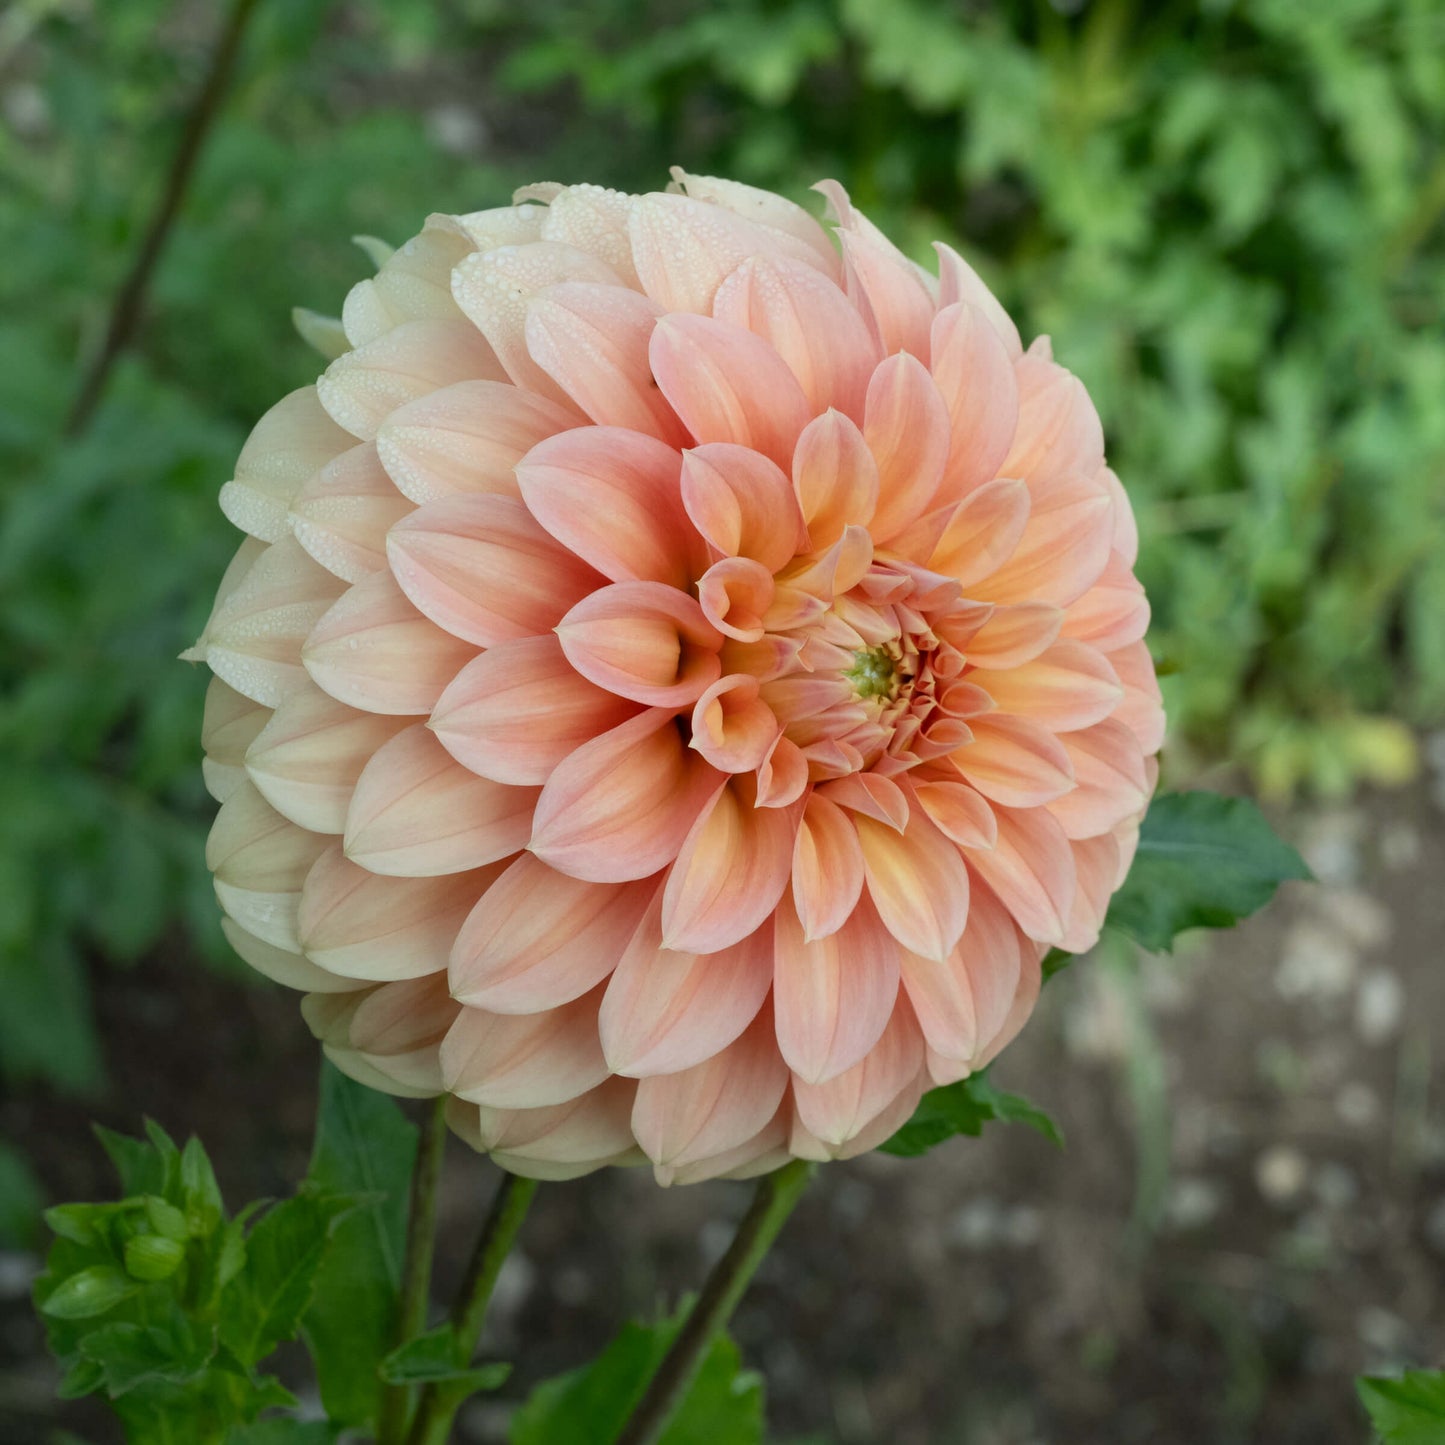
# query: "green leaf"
{"points": [[590, 1405], [202, 1195], [152, 1257], [132, 1355], [364, 1147], [91, 1292], [964, 1108], [433, 1356], [1204, 861], [1406, 1411], [266, 1300], [142, 1167]]}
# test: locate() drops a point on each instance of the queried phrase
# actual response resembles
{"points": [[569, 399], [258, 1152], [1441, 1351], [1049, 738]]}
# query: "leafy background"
{"points": [[1228, 216]]}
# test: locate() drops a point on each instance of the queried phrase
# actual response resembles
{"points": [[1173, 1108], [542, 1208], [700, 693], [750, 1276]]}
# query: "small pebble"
{"points": [[1379, 1006], [1281, 1173]]}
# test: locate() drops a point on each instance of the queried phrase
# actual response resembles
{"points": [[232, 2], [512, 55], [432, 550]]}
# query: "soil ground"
{"points": [[1249, 1210]]}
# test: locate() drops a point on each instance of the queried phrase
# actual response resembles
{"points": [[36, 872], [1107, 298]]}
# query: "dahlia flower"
{"points": [[683, 671]]}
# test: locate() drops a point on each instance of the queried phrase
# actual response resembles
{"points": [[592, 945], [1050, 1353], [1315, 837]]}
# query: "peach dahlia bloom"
{"points": [[684, 670]]}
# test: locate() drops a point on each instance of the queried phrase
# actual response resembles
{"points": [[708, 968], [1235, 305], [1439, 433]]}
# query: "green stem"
{"points": [[440, 1400], [396, 1400], [130, 299], [772, 1204]]}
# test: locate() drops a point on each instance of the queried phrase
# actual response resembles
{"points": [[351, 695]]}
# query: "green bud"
{"points": [[91, 1292], [166, 1219], [151, 1257]]}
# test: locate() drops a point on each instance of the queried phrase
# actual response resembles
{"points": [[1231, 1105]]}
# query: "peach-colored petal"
{"points": [[593, 219], [260, 860], [1126, 529], [715, 1106], [1063, 551], [291, 442], [871, 795], [839, 1110], [619, 807], [292, 970], [907, 429], [1014, 761], [827, 868], [1096, 862], [494, 289], [614, 498], [592, 341], [525, 1061], [417, 812], [360, 925], [730, 872], [375, 651], [917, 881], [514, 712], [1059, 433], [1140, 710], [962, 1000], [835, 477], [228, 727], [973, 373], [466, 438], [645, 641], [307, 758], [413, 284], [958, 281], [342, 514], [684, 248], [832, 997], [665, 1011], [809, 322], [736, 594], [481, 567], [1112, 613], [1015, 633], [564, 1140], [538, 938], [732, 727], [728, 385], [742, 503], [1110, 782], [1068, 686], [1031, 869], [783, 777], [982, 531], [959, 812], [889, 289], [363, 387], [770, 212], [255, 639]]}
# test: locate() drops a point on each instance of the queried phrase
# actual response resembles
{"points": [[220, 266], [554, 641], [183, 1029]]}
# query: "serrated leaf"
{"points": [[283, 1432], [132, 1355], [433, 1356], [141, 1167], [590, 1405], [1204, 861], [964, 1108], [199, 1190], [1406, 1411], [364, 1147], [266, 1300]]}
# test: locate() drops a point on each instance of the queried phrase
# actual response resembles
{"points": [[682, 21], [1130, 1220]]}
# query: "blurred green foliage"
{"points": [[1228, 216]]}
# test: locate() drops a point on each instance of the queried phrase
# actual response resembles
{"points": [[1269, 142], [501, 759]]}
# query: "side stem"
{"points": [[416, 1270], [772, 1204], [130, 299], [440, 1400]]}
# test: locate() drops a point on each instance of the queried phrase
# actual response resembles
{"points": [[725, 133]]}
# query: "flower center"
{"points": [[874, 672]]}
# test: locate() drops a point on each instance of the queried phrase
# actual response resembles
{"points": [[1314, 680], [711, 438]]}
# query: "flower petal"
{"points": [[466, 438], [482, 567], [620, 806], [907, 429], [917, 881], [1031, 869], [835, 477], [417, 812], [538, 938], [742, 503], [614, 498], [375, 651], [832, 997], [1014, 761], [1071, 685], [972, 370], [728, 385], [827, 868], [341, 516], [514, 712]]}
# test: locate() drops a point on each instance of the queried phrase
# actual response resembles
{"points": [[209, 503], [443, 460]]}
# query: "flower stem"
{"points": [[130, 300], [772, 1204], [440, 1400], [421, 1237]]}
